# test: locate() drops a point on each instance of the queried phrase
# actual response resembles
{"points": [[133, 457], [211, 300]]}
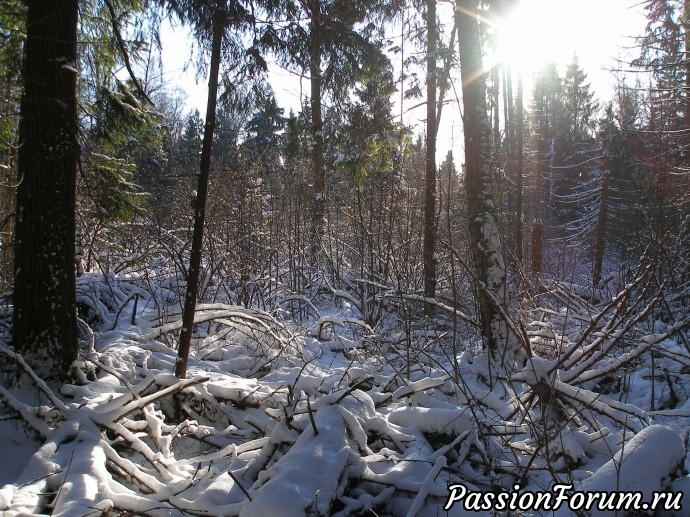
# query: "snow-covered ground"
{"points": [[331, 417]]}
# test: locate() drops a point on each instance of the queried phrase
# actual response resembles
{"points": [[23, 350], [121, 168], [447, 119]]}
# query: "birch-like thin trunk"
{"points": [[485, 241]]}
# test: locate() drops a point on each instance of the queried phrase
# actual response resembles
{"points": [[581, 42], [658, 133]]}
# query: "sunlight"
{"points": [[537, 32]]}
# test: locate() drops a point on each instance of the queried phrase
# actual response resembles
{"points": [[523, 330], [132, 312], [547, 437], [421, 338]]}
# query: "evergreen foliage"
{"points": [[335, 288]]}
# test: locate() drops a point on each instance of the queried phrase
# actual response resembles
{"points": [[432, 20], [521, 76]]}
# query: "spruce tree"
{"points": [[45, 320], [11, 45], [339, 46]]}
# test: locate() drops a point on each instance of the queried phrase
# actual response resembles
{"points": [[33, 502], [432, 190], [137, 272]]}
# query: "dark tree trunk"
{"points": [[537, 245], [519, 167], [537, 225], [430, 178], [485, 241], [508, 110], [686, 40], [495, 95], [602, 220], [45, 325], [318, 215], [8, 179], [200, 204]]}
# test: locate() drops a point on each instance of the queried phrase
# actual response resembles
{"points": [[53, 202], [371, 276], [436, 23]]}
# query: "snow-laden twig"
{"points": [[612, 310], [425, 487], [123, 406], [647, 343], [40, 383], [27, 413], [626, 415], [307, 474]]}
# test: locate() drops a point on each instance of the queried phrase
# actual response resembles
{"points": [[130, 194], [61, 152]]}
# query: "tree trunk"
{"points": [[537, 225], [200, 203], [600, 239], [686, 41], [508, 109], [537, 245], [430, 178], [45, 325], [7, 189], [485, 241], [495, 95], [519, 167], [318, 215]]}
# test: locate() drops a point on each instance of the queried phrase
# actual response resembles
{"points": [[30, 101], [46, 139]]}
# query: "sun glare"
{"points": [[538, 32]]}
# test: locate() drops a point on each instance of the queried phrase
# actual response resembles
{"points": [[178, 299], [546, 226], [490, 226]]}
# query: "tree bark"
{"points": [[495, 96], [602, 219], [7, 188], [537, 244], [686, 41], [429, 244], [485, 241], [318, 222], [45, 325], [537, 225], [200, 204], [519, 167]]}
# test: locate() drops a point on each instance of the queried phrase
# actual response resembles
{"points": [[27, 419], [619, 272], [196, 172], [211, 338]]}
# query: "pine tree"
{"points": [[565, 151], [578, 102], [369, 140], [124, 150], [255, 186], [123, 137], [369, 156]]}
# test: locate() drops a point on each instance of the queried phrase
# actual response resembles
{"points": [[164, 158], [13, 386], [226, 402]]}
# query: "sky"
{"points": [[600, 32]]}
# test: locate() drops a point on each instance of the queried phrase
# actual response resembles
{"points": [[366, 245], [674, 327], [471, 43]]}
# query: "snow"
{"points": [[644, 464], [281, 418], [307, 475], [434, 420]]}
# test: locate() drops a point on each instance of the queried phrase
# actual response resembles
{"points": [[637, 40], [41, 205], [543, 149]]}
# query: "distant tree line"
{"points": [[102, 170]]}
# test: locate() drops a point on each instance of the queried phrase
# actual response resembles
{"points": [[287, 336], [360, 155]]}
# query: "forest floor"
{"points": [[329, 416]]}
